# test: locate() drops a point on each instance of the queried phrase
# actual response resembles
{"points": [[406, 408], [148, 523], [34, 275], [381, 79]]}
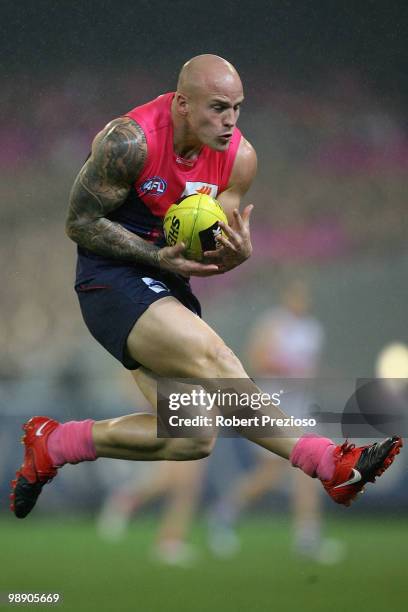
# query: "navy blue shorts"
{"points": [[116, 296]]}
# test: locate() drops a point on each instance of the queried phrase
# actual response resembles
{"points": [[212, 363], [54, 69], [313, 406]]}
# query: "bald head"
{"points": [[207, 103], [207, 73]]}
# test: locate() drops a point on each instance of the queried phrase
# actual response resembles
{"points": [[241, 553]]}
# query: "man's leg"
{"points": [[254, 484], [181, 500], [245, 490], [171, 341], [178, 481], [49, 445], [135, 436]]}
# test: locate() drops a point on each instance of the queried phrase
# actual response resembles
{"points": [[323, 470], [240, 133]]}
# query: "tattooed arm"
{"points": [[118, 155]]}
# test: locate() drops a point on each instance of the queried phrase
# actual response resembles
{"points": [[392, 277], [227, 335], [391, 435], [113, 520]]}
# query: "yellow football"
{"points": [[194, 221]]}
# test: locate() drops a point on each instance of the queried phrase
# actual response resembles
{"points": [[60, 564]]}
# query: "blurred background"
{"points": [[326, 96]]}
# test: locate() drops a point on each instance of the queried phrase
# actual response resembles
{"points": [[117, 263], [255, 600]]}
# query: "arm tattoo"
{"points": [[102, 185]]}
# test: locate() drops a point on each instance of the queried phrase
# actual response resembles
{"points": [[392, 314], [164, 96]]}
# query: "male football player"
{"points": [[134, 291]]}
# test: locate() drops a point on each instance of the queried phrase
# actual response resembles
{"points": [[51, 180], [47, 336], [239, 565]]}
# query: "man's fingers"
{"points": [[177, 249], [172, 258], [226, 243], [213, 256], [238, 223], [211, 272], [242, 221], [202, 274], [198, 269], [232, 235], [247, 213]]}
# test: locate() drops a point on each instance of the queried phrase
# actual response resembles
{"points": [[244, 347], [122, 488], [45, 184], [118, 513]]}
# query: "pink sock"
{"points": [[72, 442], [314, 455]]}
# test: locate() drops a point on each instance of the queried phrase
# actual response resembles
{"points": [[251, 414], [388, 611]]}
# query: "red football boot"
{"points": [[354, 467], [37, 468]]}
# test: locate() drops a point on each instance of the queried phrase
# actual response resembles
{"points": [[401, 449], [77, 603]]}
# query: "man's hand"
{"points": [[234, 248], [171, 258]]}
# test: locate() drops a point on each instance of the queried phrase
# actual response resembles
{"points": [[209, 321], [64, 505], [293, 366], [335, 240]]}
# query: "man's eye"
{"points": [[217, 107]]}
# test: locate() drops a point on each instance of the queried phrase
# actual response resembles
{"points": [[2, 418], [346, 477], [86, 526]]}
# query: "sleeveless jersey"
{"points": [[164, 179]]}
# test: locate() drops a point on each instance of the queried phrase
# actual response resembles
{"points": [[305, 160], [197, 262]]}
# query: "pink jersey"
{"points": [[166, 177]]}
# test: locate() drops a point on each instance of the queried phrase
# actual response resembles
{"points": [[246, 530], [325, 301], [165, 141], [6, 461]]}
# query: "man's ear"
{"points": [[181, 103]]}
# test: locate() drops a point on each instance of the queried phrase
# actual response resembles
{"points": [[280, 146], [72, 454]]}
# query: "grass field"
{"points": [[92, 575]]}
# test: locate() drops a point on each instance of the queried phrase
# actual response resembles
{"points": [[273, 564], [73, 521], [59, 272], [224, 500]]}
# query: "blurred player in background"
{"points": [[134, 291], [177, 484], [285, 342]]}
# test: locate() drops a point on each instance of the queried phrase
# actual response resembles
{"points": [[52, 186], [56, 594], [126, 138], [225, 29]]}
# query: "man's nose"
{"points": [[229, 118]]}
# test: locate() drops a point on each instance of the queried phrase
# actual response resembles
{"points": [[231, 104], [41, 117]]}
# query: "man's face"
{"points": [[213, 115]]}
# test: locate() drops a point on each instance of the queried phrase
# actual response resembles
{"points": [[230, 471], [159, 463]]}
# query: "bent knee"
{"points": [[203, 447], [227, 363], [190, 449], [216, 360]]}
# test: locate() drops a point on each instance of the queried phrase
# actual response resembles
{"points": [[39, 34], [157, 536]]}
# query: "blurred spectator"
{"points": [[285, 342]]}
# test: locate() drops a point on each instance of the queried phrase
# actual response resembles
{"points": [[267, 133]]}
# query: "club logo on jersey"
{"points": [[205, 188], [155, 186], [155, 285]]}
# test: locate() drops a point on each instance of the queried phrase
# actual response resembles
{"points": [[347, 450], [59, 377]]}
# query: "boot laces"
{"points": [[347, 447]]}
